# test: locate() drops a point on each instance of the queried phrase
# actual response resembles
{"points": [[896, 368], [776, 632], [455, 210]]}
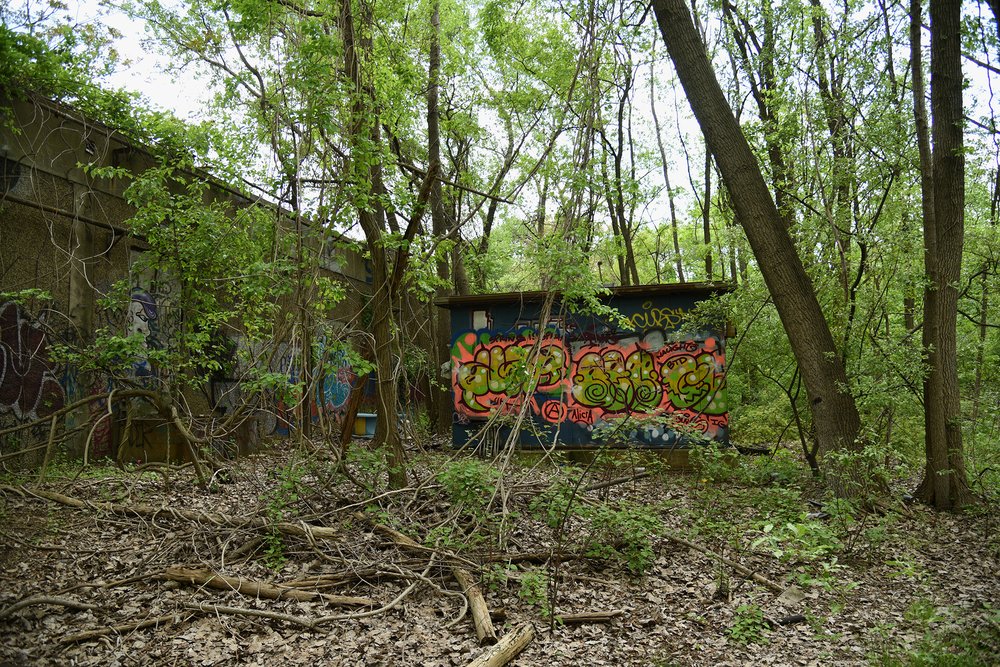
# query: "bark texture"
{"points": [[944, 484], [835, 416]]}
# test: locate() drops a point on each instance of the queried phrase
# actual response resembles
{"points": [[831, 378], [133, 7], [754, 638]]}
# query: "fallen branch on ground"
{"points": [[257, 589], [743, 570], [507, 648], [477, 602], [46, 599], [168, 619], [618, 480], [300, 529], [589, 617]]}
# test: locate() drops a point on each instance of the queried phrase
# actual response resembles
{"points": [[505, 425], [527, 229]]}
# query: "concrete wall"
{"points": [[64, 232], [591, 372]]}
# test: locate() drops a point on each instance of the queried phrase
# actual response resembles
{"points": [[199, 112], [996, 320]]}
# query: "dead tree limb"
{"points": [[477, 601], [300, 529], [507, 648], [619, 480], [589, 617], [743, 570], [168, 619], [46, 599], [258, 613], [257, 589]]}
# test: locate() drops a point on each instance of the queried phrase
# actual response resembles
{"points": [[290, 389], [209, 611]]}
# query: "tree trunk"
{"points": [[440, 395], [371, 217], [835, 416], [944, 485]]}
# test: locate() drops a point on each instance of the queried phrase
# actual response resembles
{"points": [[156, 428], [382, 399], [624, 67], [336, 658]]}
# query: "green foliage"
{"points": [[534, 589], [713, 463], [370, 464], [555, 503], [749, 625], [469, 482], [947, 641], [624, 533], [800, 542], [279, 500]]}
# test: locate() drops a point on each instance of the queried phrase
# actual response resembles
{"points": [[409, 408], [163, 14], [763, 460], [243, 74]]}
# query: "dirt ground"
{"points": [[908, 583]]}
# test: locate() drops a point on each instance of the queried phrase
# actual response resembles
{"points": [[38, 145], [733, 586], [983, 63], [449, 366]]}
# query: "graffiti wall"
{"points": [[589, 375], [29, 380]]}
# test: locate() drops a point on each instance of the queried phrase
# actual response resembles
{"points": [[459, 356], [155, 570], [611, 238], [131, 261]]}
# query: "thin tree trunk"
{"points": [[706, 213], [678, 263]]}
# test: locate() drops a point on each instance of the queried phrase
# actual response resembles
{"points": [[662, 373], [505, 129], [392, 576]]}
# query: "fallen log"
{"points": [[477, 604], [589, 617], [257, 589], [507, 648]]}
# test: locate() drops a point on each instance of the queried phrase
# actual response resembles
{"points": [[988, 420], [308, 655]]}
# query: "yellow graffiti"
{"points": [[608, 379], [656, 318], [694, 383], [500, 371]]}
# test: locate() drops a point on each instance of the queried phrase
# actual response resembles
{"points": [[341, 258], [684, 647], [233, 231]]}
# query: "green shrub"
{"points": [[624, 534], [469, 482], [749, 626]]}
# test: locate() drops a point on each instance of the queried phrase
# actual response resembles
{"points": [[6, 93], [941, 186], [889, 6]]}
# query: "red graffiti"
{"points": [[554, 411]]}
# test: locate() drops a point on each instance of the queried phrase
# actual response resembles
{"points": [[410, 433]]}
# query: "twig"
{"points": [[259, 613], [127, 627], [46, 599]]}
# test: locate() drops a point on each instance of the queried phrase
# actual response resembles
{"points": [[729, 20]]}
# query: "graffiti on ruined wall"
{"points": [[29, 380], [593, 379], [143, 319], [331, 392]]}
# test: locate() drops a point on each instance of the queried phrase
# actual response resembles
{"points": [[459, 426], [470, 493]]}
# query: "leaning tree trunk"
{"points": [[944, 485], [835, 416]]}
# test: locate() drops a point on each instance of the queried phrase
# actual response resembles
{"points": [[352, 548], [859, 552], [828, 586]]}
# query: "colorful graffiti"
{"points": [[29, 381], [587, 384], [497, 370]]}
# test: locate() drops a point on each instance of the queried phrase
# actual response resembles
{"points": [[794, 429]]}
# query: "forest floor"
{"points": [[835, 585]]}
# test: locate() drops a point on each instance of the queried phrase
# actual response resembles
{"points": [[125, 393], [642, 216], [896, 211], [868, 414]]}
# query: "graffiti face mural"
{"points": [[29, 384], [585, 378], [143, 319]]}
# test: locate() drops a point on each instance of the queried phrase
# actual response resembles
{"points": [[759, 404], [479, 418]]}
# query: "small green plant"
{"points": [[965, 643], [749, 626], [553, 505], [370, 464], [804, 541], [534, 589], [283, 496], [713, 463], [469, 482], [624, 534]]}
